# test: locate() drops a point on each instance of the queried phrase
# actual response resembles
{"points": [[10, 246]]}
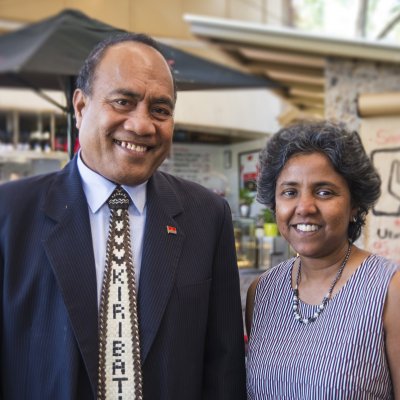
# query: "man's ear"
{"points": [[79, 101]]}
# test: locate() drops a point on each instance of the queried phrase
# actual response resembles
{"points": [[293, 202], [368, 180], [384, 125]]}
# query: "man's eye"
{"points": [[121, 102], [162, 112]]}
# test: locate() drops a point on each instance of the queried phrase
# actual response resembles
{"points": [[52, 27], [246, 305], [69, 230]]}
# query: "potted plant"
{"points": [[246, 198], [270, 226]]}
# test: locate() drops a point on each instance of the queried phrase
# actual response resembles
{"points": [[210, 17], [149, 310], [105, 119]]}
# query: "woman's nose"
{"points": [[306, 204]]}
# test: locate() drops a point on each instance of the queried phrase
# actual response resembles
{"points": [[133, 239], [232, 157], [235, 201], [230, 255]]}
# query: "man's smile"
{"points": [[131, 146]]}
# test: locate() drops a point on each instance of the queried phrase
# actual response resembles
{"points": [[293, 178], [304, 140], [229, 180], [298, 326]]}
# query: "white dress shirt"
{"points": [[97, 191]]}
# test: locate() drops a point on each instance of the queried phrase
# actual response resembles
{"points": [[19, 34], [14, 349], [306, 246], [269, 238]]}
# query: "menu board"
{"points": [[198, 163], [381, 139], [191, 163]]}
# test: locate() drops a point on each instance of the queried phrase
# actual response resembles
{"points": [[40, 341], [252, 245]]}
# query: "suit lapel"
{"points": [[161, 251], [69, 249]]}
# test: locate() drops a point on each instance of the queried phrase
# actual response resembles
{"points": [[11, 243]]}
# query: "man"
{"points": [[53, 232]]}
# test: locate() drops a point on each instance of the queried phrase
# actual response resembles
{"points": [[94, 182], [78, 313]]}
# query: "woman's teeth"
{"points": [[307, 228]]}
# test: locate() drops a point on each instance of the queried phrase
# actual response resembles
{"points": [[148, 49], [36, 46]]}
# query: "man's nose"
{"points": [[140, 122]]}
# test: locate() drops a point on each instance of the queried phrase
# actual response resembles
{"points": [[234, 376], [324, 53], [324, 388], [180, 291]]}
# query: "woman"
{"points": [[324, 325]]}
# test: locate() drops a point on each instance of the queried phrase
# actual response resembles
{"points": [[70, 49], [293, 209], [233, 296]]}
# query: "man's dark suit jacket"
{"points": [[189, 302]]}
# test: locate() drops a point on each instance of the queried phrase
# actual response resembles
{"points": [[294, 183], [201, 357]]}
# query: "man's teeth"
{"points": [[307, 228], [132, 146]]}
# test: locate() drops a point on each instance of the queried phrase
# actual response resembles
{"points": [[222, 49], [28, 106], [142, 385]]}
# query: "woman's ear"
{"points": [[353, 214]]}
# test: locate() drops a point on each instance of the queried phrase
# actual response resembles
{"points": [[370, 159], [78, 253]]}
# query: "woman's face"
{"points": [[313, 205]]}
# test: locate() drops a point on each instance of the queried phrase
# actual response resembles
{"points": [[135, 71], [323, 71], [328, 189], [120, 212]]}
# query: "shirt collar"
{"points": [[98, 189]]}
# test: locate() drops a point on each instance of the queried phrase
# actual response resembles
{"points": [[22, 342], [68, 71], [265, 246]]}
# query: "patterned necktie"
{"points": [[120, 376]]}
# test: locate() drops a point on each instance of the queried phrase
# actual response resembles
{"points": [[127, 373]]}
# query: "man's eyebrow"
{"points": [[163, 100], [154, 100], [126, 93]]}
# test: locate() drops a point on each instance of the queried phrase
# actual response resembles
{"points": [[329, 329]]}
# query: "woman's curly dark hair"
{"points": [[343, 148]]}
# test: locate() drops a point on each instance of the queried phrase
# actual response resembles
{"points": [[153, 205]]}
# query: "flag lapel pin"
{"points": [[171, 230]]}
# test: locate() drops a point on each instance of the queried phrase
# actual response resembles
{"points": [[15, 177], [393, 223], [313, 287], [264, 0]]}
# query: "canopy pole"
{"points": [[37, 90]]}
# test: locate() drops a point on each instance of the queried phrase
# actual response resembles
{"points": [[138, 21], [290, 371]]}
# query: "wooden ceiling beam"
{"points": [[286, 77], [311, 94], [307, 102], [260, 65], [287, 58]]}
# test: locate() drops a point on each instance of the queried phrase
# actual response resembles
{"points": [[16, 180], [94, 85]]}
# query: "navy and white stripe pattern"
{"points": [[340, 356]]}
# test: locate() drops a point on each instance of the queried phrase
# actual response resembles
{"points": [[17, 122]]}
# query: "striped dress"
{"points": [[340, 356]]}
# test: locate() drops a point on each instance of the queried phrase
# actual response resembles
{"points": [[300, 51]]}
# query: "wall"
{"points": [[156, 17], [246, 109], [381, 138], [198, 163], [345, 81]]}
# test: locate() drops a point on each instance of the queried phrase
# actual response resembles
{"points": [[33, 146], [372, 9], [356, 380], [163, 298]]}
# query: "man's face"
{"points": [[126, 124]]}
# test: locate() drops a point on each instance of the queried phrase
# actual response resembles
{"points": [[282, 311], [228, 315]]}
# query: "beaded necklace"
{"points": [[325, 300]]}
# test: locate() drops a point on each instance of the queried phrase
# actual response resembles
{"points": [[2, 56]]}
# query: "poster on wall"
{"points": [[199, 163], [381, 139], [248, 170], [190, 162]]}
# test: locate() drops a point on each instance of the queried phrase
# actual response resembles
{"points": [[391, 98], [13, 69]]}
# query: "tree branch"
{"points": [[389, 26]]}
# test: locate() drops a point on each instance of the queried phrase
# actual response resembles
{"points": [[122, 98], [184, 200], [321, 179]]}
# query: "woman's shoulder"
{"points": [[272, 276], [381, 263], [277, 272], [377, 272]]}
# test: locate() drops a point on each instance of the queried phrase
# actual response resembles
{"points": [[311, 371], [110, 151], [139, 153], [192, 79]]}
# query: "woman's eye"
{"points": [[324, 193], [289, 193]]}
